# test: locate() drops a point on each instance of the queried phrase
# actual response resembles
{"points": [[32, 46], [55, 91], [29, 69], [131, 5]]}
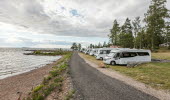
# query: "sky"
{"points": [[59, 23]]}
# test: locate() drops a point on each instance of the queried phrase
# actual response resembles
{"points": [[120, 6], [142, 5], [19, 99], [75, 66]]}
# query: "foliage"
{"points": [[74, 46], [155, 20], [155, 32], [114, 33]]}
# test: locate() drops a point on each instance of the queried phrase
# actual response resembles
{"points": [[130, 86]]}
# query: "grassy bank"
{"points": [[157, 75], [53, 81]]}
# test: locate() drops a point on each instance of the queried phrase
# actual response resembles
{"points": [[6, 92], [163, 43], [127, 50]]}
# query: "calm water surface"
{"points": [[13, 62]]}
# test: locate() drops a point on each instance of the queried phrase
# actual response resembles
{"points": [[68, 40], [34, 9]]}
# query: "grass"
{"points": [[69, 95], [36, 89], [53, 81], [92, 58], [157, 75], [161, 55]]}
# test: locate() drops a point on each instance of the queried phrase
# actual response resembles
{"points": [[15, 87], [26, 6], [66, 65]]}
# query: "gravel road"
{"points": [[91, 84]]}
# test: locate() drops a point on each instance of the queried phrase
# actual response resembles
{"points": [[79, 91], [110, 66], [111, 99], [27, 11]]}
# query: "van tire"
{"points": [[113, 63], [101, 58]]}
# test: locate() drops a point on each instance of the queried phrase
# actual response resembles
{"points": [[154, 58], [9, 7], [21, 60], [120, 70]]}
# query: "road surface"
{"points": [[91, 84]]}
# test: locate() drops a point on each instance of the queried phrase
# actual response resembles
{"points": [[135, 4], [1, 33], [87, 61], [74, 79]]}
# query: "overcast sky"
{"points": [[59, 23]]}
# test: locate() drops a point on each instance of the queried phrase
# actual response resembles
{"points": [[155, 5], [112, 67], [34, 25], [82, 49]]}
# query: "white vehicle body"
{"points": [[93, 52], [88, 51], [123, 57], [103, 52]]}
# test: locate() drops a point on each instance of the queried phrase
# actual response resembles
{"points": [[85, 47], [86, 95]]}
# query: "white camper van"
{"points": [[93, 52], [102, 52], [88, 51], [123, 57]]}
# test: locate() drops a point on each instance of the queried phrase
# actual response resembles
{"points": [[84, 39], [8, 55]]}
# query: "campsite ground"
{"points": [[155, 74]]}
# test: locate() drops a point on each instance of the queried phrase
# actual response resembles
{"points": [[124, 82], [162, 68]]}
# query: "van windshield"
{"points": [[111, 54]]}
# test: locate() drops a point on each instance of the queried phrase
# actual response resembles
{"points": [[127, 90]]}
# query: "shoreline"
{"points": [[11, 87]]}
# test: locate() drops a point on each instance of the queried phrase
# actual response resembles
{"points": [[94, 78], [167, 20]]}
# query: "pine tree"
{"points": [[99, 45], [114, 33], [126, 35], [167, 34], [137, 29], [104, 44], [155, 19], [79, 46]]}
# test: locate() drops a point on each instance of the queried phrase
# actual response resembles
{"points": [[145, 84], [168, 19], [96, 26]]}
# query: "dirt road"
{"points": [[91, 84]]}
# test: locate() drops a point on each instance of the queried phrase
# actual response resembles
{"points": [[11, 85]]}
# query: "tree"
{"points": [[91, 46], [99, 45], [167, 34], [114, 33], [79, 46], [104, 44], [126, 35], [137, 29], [74, 46], [155, 19]]}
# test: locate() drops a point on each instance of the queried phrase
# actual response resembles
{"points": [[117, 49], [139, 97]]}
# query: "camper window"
{"points": [[101, 51], [108, 51], [129, 54], [143, 53], [117, 55], [104, 52]]}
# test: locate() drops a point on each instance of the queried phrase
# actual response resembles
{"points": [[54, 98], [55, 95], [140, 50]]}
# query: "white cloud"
{"points": [[32, 21], [54, 17]]}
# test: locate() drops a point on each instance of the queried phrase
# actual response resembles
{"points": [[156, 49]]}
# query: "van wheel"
{"points": [[113, 63], [101, 58]]}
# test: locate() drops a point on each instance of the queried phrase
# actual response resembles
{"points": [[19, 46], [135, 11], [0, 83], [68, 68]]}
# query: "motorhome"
{"points": [[102, 52], [88, 51], [123, 57], [93, 52]]}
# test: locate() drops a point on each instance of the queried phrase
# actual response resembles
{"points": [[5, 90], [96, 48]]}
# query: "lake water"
{"points": [[13, 61]]}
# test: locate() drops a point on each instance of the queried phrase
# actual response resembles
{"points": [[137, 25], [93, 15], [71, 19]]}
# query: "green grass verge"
{"points": [[157, 75], [51, 82], [161, 55]]}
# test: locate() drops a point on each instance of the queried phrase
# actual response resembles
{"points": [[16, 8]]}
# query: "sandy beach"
{"points": [[12, 87]]}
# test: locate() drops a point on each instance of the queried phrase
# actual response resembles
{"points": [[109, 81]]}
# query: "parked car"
{"points": [[123, 57]]}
